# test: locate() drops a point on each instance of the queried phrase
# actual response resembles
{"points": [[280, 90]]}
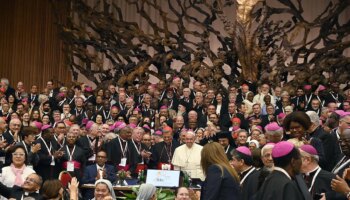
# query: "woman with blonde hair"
{"points": [[222, 181]]}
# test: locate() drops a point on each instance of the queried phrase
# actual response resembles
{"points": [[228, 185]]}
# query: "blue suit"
{"points": [[90, 174]]}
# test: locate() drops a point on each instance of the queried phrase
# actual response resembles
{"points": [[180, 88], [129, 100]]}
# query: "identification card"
{"points": [[122, 162], [52, 162], [70, 167]]}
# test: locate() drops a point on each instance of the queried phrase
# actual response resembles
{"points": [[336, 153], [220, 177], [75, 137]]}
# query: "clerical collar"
{"points": [[283, 171], [312, 172], [247, 170]]}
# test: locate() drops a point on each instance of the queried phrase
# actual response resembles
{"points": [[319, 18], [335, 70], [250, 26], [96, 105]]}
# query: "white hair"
{"points": [[315, 119]]}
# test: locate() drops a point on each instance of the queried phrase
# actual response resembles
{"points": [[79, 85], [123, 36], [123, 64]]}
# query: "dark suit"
{"points": [[17, 192], [249, 185], [322, 184], [44, 167], [78, 155], [159, 153], [114, 154], [90, 174], [278, 186], [220, 185], [330, 147]]}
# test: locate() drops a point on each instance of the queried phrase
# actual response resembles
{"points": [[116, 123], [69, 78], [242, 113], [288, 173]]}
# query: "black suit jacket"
{"points": [[17, 192], [278, 186], [114, 153], [330, 146], [323, 185], [159, 153], [219, 184]]}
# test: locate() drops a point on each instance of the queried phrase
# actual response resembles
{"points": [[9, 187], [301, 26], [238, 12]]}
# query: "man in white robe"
{"points": [[187, 157]]}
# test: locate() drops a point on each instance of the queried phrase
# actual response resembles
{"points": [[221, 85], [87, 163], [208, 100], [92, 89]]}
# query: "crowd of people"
{"points": [[245, 142]]}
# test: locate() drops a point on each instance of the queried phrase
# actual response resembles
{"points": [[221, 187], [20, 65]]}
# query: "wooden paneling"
{"points": [[30, 48]]}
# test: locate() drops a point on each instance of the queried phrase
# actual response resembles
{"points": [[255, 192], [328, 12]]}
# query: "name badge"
{"points": [[52, 162], [70, 166], [122, 162]]}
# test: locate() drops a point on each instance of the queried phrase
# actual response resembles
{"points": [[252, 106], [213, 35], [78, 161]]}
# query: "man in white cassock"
{"points": [[187, 157]]}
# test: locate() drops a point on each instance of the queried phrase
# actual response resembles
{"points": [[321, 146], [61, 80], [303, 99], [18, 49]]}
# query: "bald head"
{"points": [[15, 125]]}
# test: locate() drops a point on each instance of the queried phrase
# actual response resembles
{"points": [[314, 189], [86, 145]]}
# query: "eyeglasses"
{"points": [[18, 154], [32, 180], [146, 140], [101, 156]]}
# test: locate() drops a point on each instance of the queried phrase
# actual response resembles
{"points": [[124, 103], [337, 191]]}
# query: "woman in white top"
{"points": [[17, 172]]}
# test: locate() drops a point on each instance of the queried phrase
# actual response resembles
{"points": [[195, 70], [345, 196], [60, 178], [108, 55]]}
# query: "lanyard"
{"points": [[47, 148], [307, 100], [341, 166], [70, 154], [137, 148], [314, 178], [25, 146], [335, 97], [121, 147], [106, 116], [249, 172], [228, 147]]}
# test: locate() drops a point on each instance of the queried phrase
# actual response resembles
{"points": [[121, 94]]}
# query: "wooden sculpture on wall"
{"points": [[261, 43]]}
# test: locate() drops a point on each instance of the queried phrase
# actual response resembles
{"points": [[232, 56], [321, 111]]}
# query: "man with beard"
{"points": [[280, 183]]}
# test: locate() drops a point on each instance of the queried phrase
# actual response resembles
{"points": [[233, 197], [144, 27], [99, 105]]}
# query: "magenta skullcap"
{"points": [[121, 126], [25, 100], [89, 125], [45, 127], [84, 121], [88, 89], [61, 94], [164, 107], [146, 127], [158, 132], [321, 88], [309, 149], [244, 150], [132, 125], [37, 124], [307, 87], [281, 116], [111, 127], [137, 109], [118, 123], [258, 127], [272, 127], [282, 149]]}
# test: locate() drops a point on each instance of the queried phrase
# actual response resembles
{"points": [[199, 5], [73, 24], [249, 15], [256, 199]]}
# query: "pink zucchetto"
{"points": [[281, 116], [321, 88], [307, 87], [272, 127], [132, 125], [164, 107], [282, 149], [85, 121], [37, 124], [309, 149], [89, 125], [61, 94], [88, 89], [158, 132], [137, 109], [118, 123], [342, 113], [244, 150], [111, 127], [43, 128]]}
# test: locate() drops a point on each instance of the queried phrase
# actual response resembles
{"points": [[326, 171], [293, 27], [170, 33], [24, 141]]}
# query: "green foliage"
{"points": [[162, 194]]}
